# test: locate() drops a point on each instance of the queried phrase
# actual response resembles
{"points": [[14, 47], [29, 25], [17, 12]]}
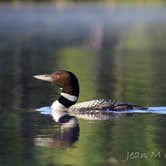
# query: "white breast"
{"points": [[58, 110]]}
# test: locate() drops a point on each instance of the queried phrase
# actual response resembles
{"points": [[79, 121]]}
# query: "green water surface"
{"points": [[117, 54]]}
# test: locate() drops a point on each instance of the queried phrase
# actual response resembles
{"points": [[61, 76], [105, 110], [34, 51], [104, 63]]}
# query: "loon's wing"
{"points": [[105, 104], [93, 105], [94, 110]]}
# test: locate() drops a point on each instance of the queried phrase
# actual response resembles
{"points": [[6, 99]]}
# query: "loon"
{"points": [[64, 109]]}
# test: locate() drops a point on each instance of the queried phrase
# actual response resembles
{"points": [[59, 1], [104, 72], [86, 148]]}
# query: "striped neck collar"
{"points": [[67, 100], [69, 97]]}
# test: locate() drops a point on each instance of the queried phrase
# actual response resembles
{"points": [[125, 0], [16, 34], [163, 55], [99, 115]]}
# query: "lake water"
{"points": [[116, 52]]}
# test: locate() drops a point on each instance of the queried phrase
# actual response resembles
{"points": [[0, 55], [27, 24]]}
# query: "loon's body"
{"points": [[101, 109], [65, 106]]}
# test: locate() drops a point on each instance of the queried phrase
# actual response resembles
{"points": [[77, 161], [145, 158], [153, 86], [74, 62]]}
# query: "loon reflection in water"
{"points": [[67, 137], [64, 108]]}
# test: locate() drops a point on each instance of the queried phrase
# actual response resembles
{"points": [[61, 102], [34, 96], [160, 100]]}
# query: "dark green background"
{"points": [[119, 54]]}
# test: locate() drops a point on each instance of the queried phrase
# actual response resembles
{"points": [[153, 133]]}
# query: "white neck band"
{"points": [[69, 97]]}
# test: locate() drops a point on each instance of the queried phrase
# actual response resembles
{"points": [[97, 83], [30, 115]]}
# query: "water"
{"points": [[116, 52]]}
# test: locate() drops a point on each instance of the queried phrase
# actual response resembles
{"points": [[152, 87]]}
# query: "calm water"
{"points": [[116, 52]]}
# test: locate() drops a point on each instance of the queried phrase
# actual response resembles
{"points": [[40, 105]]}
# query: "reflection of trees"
{"points": [[20, 59], [135, 134], [124, 69], [105, 63], [11, 140], [38, 55], [117, 66], [161, 136], [159, 86]]}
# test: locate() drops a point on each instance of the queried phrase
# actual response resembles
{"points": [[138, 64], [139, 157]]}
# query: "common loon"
{"points": [[64, 109]]}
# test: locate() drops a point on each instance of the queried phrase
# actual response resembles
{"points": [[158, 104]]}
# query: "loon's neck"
{"points": [[67, 100]]}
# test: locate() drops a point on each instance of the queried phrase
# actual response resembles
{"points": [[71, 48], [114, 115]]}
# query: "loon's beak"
{"points": [[44, 77]]}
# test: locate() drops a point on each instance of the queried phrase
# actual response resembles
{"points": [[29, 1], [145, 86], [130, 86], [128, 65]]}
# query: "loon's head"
{"points": [[64, 79], [69, 95]]}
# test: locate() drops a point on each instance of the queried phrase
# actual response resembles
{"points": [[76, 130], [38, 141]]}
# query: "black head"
{"points": [[64, 79]]}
